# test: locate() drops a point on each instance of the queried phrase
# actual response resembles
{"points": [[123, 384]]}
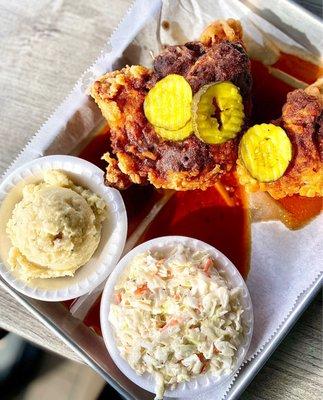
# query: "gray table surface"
{"points": [[45, 46]]}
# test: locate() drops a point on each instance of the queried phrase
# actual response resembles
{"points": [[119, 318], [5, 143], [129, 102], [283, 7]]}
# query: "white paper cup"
{"points": [[113, 236], [226, 268]]}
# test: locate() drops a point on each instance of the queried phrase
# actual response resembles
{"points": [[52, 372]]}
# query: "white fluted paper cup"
{"points": [[226, 269], [113, 235]]}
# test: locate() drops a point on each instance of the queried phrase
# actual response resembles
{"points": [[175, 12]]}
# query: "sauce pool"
{"points": [[300, 210], [205, 215], [92, 318], [268, 94], [300, 69]]}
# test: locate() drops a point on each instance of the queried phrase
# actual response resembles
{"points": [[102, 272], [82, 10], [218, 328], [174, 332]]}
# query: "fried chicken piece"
{"points": [[302, 120], [141, 156]]}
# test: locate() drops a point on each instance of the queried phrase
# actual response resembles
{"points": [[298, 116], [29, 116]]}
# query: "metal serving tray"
{"points": [[91, 348], [88, 345]]}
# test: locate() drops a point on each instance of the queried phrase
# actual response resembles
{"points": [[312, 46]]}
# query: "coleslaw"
{"points": [[175, 317]]}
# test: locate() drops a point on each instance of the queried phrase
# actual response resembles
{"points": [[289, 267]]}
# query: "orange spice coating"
{"points": [[138, 154]]}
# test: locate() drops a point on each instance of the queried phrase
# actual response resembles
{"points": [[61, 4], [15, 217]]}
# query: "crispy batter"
{"points": [[138, 154], [302, 121], [229, 29]]}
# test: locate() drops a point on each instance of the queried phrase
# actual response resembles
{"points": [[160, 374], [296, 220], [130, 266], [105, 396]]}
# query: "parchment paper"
{"points": [[284, 263]]}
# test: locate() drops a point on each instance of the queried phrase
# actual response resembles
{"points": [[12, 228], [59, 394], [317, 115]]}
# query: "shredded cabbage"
{"points": [[176, 317]]}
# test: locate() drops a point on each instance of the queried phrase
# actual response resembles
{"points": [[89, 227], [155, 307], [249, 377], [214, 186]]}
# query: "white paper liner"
{"points": [[288, 27], [113, 236], [233, 277]]}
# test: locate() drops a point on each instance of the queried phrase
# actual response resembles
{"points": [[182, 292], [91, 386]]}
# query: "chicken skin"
{"points": [[139, 155]]}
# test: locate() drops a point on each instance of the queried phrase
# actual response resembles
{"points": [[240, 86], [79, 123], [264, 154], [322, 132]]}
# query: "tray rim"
{"points": [[65, 339], [252, 367]]}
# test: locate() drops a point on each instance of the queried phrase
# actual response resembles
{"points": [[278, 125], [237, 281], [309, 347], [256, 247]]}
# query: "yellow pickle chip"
{"points": [[168, 104], [217, 112], [265, 151], [179, 134]]}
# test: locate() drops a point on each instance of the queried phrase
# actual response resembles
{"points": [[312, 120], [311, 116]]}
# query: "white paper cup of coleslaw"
{"points": [[113, 234], [203, 382]]}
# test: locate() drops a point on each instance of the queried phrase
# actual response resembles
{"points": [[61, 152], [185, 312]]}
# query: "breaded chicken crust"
{"points": [[141, 156], [302, 120]]}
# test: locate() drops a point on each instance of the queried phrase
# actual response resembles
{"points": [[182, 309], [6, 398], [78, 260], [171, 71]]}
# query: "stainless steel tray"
{"points": [[91, 349], [88, 345]]}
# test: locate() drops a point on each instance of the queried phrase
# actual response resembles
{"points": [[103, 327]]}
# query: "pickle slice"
{"points": [[168, 104], [179, 134], [266, 151], [217, 112]]}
